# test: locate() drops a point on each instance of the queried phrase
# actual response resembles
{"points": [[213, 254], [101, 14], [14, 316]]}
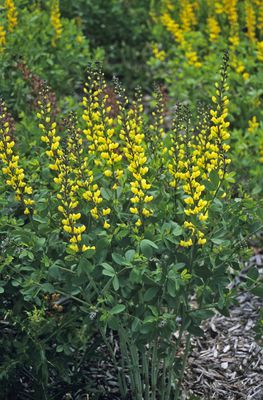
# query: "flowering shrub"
{"points": [[51, 46], [123, 220], [190, 36]]}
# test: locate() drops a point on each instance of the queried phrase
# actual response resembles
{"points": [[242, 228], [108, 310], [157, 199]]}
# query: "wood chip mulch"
{"points": [[227, 363]]}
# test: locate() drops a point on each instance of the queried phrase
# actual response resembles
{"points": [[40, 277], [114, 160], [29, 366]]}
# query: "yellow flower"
{"points": [[253, 124], [11, 15], [106, 225], [214, 29], [250, 21], [2, 38], [108, 173], [56, 21], [134, 210], [15, 176], [186, 243], [106, 211]]}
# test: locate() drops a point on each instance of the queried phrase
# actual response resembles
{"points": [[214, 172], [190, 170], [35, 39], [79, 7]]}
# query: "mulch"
{"points": [[227, 363]]}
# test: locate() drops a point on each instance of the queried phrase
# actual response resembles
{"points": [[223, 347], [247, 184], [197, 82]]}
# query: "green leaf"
{"points": [[119, 308], [177, 230], [253, 273], [147, 247], [214, 179], [202, 314], [129, 255], [217, 241], [136, 325], [106, 194], [108, 270], [120, 260], [150, 293], [115, 283], [195, 330], [171, 288], [54, 272], [102, 247], [258, 291], [203, 271], [39, 219], [108, 267], [47, 287]]}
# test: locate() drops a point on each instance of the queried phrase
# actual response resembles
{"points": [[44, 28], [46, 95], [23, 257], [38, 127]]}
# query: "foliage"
{"points": [[122, 28], [129, 219], [189, 38], [61, 58], [125, 220]]}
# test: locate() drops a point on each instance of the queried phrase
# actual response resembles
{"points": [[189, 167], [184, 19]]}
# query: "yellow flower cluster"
{"points": [[101, 137], [68, 197], [157, 53], [157, 133], [253, 124], [213, 28], [15, 175], [134, 151], [55, 18], [260, 16], [187, 15], [11, 15], [239, 67], [172, 27], [100, 131], [230, 8], [192, 57], [2, 38], [193, 157], [219, 130], [178, 34], [250, 21], [63, 160], [224, 16], [219, 6], [49, 129], [185, 169]]}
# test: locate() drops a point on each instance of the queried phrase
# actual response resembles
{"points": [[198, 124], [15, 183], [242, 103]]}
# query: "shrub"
{"points": [[189, 38], [126, 218], [51, 46]]}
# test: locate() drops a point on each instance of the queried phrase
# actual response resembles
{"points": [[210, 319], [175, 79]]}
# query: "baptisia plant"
{"points": [[148, 229]]}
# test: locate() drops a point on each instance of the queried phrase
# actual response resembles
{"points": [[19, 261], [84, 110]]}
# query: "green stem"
{"points": [[163, 385], [136, 369], [145, 366], [120, 374], [126, 357], [171, 363], [154, 369], [186, 352]]}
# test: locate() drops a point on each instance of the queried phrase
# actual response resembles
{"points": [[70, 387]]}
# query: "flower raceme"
{"points": [[2, 38], [55, 19], [134, 150], [178, 34], [149, 162], [225, 20], [13, 172], [63, 162], [198, 152], [11, 15]]}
